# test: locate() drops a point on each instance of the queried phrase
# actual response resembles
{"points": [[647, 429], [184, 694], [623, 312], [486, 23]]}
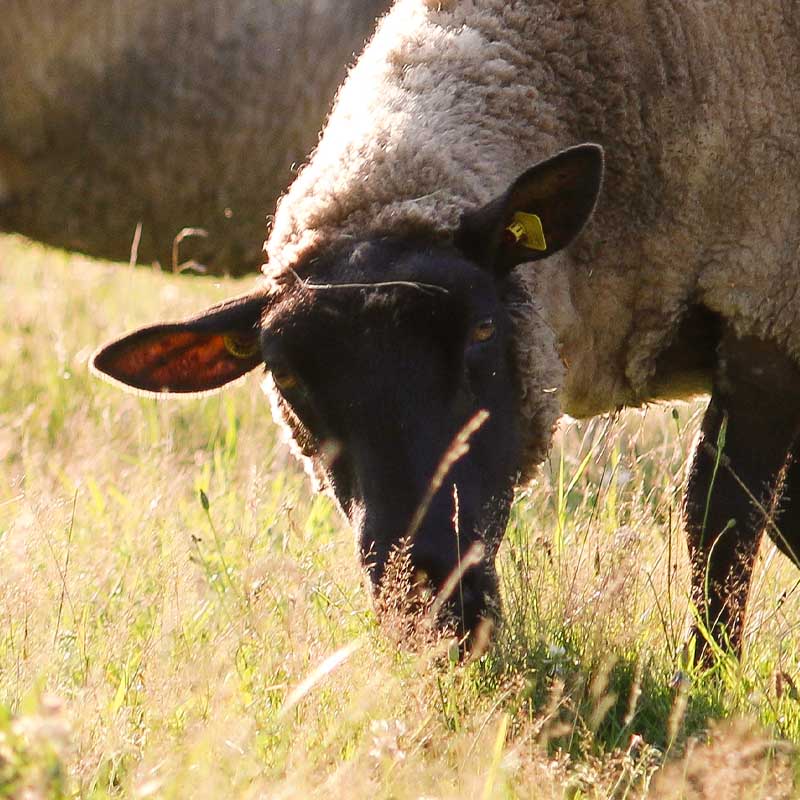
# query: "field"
{"points": [[179, 615]]}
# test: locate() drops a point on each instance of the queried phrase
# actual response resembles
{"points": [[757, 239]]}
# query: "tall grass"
{"points": [[178, 614]]}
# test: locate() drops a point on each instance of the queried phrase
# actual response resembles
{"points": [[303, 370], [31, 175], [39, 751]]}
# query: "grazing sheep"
{"points": [[168, 113], [400, 298]]}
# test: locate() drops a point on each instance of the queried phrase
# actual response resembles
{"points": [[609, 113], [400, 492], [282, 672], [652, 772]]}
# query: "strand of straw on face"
{"points": [[423, 287], [457, 450]]}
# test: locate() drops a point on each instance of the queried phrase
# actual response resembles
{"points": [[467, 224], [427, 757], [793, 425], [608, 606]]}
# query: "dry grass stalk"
{"points": [[457, 450]]}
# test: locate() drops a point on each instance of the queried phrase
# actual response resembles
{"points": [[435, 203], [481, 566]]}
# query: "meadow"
{"points": [[180, 615]]}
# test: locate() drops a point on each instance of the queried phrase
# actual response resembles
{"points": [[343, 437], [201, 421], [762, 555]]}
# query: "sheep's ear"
{"points": [[197, 355], [540, 214]]}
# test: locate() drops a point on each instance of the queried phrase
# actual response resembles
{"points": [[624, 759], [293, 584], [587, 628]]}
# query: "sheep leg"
{"points": [[784, 530], [747, 432]]}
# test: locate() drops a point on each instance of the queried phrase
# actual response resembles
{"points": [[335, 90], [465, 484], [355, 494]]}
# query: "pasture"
{"points": [[180, 615]]}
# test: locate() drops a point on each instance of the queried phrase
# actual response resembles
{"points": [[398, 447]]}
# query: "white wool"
{"points": [[696, 105]]}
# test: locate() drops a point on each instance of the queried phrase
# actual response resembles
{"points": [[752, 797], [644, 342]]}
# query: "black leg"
{"points": [[785, 527], [754, 416]]}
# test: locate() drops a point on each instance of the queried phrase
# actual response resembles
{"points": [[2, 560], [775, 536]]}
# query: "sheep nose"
{"points": [[422, 588], [455, 594]]}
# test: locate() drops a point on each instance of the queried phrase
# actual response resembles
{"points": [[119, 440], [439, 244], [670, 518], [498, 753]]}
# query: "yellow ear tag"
{"points": [[240, 346], [527, 231]]}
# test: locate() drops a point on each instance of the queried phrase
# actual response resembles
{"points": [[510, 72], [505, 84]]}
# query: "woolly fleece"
{"points": [[696, 103]]}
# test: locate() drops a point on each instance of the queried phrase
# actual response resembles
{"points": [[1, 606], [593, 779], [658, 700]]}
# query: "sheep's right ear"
{"points": [[198, 355], [541, 213]]}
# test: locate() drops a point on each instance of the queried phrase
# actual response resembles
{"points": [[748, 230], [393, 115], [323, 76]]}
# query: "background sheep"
{"points": [[685, 281], [169, 114]]}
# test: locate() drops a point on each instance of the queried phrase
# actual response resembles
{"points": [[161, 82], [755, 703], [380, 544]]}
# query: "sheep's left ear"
{"points": [[540, 214]]}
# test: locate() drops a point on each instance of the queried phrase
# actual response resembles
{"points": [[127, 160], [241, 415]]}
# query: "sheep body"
{"points": [[392, 319], [697, 107], [172, 114]]}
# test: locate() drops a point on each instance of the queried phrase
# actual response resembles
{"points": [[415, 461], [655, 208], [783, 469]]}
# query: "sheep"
{"points": [[426, 279], [164, 115]]}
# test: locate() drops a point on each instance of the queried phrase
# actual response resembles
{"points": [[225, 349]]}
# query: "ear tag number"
{"points": [[527, 231], [240, 346]]}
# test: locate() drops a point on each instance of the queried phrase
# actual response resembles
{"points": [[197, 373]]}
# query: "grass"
{"points": [[179, 614]]}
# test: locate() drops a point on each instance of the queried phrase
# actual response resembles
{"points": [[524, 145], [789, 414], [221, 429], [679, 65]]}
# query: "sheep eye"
{"points": [[285, 380], [483, 331]]}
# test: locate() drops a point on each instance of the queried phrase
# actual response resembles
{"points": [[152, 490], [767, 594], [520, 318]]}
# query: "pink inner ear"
{"points": [[173, 361]]}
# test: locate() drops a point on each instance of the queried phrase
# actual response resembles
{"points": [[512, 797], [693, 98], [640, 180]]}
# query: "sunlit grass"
{"points": [[178, 614]]}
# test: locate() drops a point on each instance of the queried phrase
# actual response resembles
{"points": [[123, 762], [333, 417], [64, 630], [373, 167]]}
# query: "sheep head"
{"points": [[390, 360]]}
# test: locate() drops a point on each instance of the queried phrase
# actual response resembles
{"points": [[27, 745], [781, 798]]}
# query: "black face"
{"points": [[389, 358], [381, 380]]}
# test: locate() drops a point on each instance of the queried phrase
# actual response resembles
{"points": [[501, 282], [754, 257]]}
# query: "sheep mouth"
{"points": [[416, 610]]}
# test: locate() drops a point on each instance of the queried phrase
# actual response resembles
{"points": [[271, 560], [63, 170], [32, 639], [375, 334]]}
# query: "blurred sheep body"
{"points": [[171, 114], [684, 282]]}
